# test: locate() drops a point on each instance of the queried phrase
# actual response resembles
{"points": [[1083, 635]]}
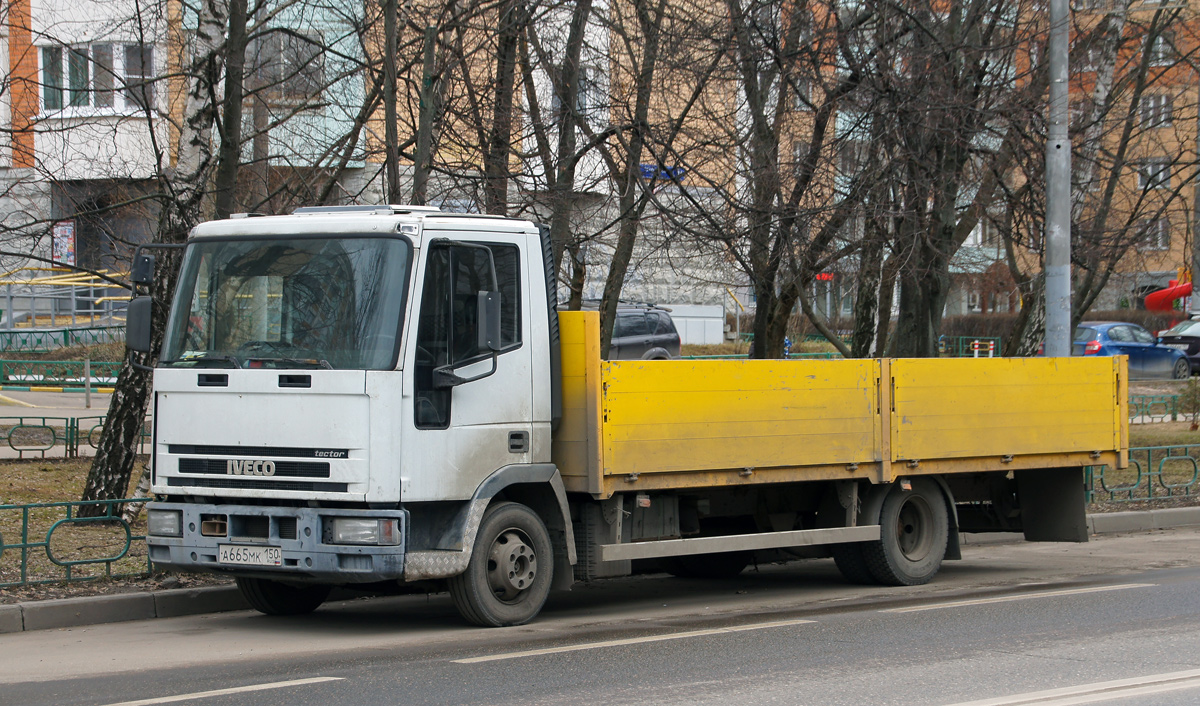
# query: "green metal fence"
{"points": [[39, 340], [1154, 473], [57, 372], [1155, 408], [34, 436], [51, 543]]}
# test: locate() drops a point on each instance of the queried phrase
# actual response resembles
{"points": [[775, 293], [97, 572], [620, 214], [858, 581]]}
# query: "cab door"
{"points": [[460, 433]]}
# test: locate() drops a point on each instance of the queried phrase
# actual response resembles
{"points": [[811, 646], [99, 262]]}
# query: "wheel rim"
{"points": [[1182, 369], [512, 565], [914, 529]]}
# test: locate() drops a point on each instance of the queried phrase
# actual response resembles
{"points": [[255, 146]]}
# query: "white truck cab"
{"points": [[340, 395]]}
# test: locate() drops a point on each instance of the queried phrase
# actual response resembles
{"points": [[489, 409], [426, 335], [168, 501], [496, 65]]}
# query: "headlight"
{"points": [[164, 523], [361, 530]]}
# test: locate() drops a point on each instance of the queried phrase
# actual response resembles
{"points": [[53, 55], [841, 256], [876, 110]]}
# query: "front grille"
{"points": [[290, 469], [252, 484], [257, 451], [287, 528], [249, 527]]}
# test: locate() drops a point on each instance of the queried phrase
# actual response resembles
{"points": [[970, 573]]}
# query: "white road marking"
{"points": [[1017, 597], [629, 641], [223, 692], [1098, 691]]}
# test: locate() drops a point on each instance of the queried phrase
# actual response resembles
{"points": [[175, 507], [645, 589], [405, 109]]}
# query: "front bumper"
{"points": [[297, 531]]}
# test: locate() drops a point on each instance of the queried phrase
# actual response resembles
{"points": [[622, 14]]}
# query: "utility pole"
{"points": [[1058, 192]]}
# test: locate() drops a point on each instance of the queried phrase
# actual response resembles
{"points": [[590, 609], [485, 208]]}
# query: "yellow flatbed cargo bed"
{"points": [[658, 425]]}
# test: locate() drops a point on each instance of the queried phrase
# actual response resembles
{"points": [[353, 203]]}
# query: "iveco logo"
{"points": [[249, 468]]}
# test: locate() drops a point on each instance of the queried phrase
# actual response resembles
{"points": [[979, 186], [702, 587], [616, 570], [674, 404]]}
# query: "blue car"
{"points": [[1147, 357]]}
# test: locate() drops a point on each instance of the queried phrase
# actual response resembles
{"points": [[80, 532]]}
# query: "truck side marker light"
{"points": [[1006, 458], [914, 463], [851, 467], [746, 472], [906, 485], [632, 477]]}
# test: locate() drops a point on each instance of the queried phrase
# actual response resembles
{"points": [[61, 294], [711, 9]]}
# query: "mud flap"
{"points": [[1052, 503]]}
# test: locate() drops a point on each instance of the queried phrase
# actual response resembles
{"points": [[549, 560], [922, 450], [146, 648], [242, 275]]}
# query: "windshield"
{"points": [[1185, 328], [288, 303]]}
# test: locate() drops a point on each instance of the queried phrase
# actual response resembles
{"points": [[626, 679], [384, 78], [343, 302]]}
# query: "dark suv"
{"points": [[642, 332]]}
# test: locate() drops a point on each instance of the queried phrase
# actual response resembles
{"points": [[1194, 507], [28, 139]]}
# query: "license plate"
{"points": [[1179, 346], [249, 556]]}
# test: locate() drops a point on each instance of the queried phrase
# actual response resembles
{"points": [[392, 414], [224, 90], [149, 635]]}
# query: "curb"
{"points": [[178, 602], [121, 607]]}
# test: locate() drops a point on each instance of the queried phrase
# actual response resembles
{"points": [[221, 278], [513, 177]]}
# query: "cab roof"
{"points": [[357, 219]]}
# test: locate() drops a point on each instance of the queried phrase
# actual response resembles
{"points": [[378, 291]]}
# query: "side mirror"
{"points": [[137, 324], [142, 270], [489, 320]]}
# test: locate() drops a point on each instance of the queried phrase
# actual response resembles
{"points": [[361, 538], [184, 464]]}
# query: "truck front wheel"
{"points": [[914, 528], [275, 598], [510, 571]]}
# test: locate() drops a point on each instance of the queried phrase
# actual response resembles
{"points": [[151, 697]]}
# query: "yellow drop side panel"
{"points": [[576, 445], [685, 415], [977, 407]]}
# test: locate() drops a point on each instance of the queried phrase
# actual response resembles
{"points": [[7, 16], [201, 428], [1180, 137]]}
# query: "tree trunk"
{"points": [[632, 202], [229, 157], [1029, 330], [867, 311], [499, 148]]}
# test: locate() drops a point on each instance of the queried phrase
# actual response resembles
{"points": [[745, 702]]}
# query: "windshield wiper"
{"points": [[206, 358], [307, 362]]}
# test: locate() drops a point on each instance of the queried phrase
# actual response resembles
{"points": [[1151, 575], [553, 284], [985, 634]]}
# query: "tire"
{"points": [[914, 529], [1182, 370], [275, 598], [722, 565], [511, 569], [853, 565]]}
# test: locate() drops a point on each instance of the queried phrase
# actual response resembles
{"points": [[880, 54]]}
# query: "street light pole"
{"points": [[1058, 191]]}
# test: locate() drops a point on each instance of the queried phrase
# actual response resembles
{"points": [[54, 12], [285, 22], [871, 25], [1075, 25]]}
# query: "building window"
{"points": [[139, 76], [1160, 50], [1155, 234], [851, 155], [287, 65], [52, 78], [803, 94], [800, 150], [91, 78], [1154, 174], [1156, 111], [989, 234], [586, 97]]}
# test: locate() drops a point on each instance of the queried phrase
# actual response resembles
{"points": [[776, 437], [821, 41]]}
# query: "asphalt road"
{"points": [[1116, 620]]}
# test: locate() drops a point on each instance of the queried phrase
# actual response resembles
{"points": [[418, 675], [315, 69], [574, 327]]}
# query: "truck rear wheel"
{"points": [[511, 569], [914, 529], [276, 598], [853, 565]]}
